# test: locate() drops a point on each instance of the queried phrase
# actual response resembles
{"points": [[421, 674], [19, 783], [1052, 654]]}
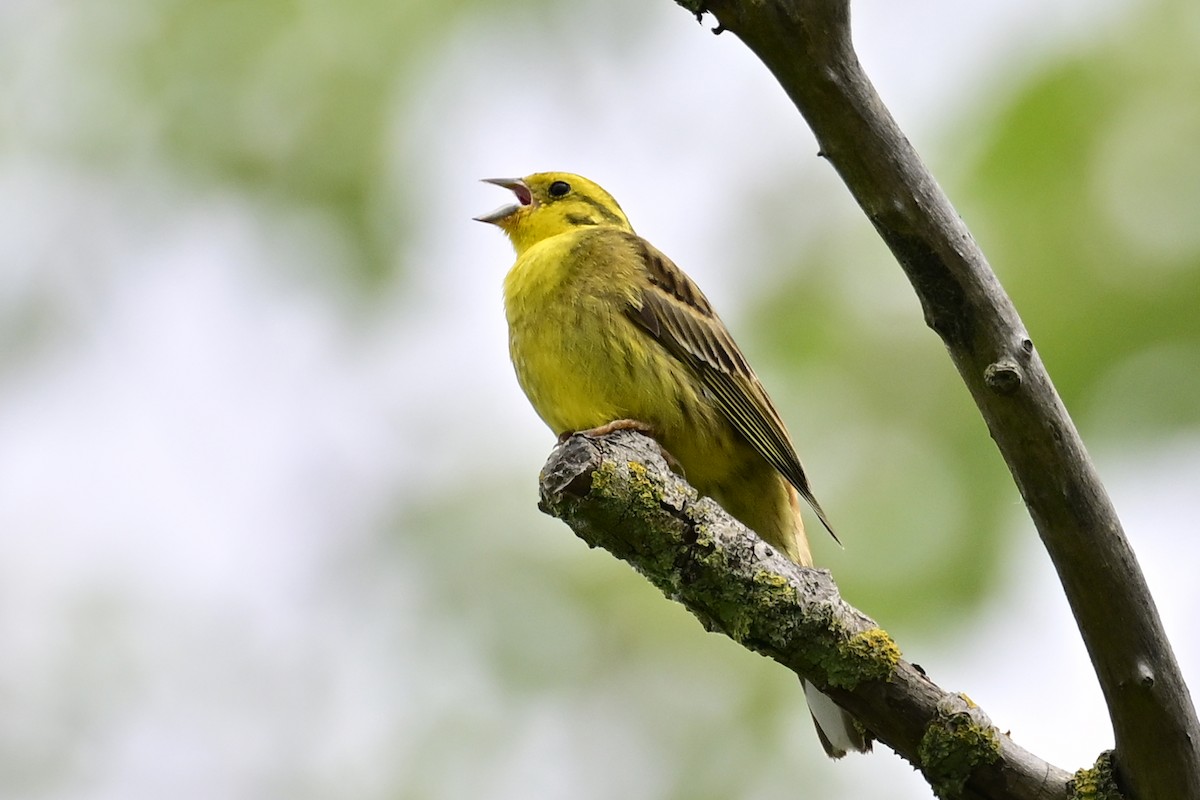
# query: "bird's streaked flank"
{"points": [[606, 332]]}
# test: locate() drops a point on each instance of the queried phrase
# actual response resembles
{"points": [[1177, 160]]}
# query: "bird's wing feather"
{"points": [[676, 313]]}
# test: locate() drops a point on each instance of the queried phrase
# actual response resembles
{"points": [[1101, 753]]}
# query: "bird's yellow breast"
{"points": [[578, 356]]}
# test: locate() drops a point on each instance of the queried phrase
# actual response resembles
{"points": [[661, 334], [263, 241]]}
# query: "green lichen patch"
{"points": [[1096, 783], [954, 744], [631, 487], [605, 477], [867, 656], [723, 605], [773, 598], [625, 501], [774, 580], [644, 490], [728, 614]]}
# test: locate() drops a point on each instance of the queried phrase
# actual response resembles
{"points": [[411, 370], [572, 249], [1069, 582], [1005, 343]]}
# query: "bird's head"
{"points": [[550, 203]]}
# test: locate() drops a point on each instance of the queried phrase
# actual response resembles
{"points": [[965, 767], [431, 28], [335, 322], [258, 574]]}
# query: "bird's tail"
{"points": [[835, 728]]}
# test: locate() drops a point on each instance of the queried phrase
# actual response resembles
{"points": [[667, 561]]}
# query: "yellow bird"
{"points": [[605, 332]]}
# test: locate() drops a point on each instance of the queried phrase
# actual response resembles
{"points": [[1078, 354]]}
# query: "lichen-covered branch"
{"points": [[806, 44], [617, 492]]}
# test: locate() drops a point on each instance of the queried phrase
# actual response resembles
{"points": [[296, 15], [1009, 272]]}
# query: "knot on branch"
{"points": [[1003, 377]]}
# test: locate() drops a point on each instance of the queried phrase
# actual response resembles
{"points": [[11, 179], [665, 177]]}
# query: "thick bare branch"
{"points": [[806, 44], [616, 492]]}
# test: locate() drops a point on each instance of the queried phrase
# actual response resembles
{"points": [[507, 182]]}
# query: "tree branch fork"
{"points": [[618, 493]]}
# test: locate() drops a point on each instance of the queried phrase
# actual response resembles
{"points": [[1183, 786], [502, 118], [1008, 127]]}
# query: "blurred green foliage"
{"points": [[293, 100]]}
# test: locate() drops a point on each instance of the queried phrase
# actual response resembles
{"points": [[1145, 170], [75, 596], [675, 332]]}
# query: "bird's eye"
{"points": [[559, 188]]}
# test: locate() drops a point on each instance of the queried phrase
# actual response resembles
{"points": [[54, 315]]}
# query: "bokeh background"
{"points": [[268, 520]]}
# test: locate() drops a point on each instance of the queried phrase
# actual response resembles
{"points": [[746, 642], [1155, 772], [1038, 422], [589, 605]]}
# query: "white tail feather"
{"points": [[835, 727]]}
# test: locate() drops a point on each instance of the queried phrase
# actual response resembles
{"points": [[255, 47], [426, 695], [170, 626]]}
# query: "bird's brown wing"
{"points": [[676, 313]]}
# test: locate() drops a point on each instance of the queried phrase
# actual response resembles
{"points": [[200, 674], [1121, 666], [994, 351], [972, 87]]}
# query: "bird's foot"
{"points": [[619, 425]]}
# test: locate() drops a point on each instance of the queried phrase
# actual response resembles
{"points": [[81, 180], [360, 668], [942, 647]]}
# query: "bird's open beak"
{"points": [[517, 187]]}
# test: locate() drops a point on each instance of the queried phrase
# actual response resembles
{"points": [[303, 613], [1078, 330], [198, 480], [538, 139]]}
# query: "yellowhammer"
{"points": [[605, 332]]}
